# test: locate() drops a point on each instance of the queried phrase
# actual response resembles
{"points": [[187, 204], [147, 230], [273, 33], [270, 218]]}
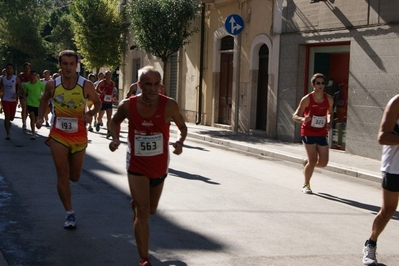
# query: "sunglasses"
{"points": [[318, 83]]}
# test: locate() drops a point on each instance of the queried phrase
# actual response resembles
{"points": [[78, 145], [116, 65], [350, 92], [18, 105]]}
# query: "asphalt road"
{"points": [[219, 207]]}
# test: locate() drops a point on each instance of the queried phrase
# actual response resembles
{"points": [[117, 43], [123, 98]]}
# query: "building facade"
{"points": [[252, 81], [223, 79], [355, 44], [241, 70]]}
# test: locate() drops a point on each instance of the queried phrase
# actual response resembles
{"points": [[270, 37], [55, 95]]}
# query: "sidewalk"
{"points": [[340, 162]]}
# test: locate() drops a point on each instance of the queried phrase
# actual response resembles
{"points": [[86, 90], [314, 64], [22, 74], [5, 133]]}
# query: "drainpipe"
{"points": [[201, 73], [237, 104]]}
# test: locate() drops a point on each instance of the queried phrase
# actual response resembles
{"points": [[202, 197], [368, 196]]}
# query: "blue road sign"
{"points": [[234, 24]]}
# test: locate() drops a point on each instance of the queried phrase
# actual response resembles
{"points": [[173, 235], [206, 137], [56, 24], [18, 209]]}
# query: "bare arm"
{"points": [[173, 111], [121, 114], [386, 136], [48, 92], [98, 86], [91, 94], [298, 115], [25, 91], [19, 86]]}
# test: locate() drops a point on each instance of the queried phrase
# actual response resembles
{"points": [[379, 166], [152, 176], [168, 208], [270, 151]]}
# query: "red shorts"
{"points": [[9, 109]]}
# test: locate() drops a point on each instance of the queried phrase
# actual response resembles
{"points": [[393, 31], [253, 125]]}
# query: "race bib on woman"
{"points": [[107, 98], [318, 121]]}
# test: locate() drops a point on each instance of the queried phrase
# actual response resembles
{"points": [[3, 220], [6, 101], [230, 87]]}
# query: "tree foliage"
{"points": [[162, 27], [61, 36], [98, 32], [37, 30], [20, 26]]}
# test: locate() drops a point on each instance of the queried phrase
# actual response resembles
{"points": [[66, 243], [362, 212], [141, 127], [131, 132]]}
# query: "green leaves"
{"points": [[20, 27], [162, 27], [98, 32]]}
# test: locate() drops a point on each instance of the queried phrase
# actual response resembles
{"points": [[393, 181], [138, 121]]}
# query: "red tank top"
{"points": [[106, 92], [148, 141], [24, 78], [318, 114]]}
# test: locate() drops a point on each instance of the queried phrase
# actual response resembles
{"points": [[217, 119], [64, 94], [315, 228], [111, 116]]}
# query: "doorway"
{"points": [[226, 88], [263, 80], [333, 62]]}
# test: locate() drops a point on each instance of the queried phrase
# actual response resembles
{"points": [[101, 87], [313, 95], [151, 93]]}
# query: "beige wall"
{"points": [[126, 70], [188, 77], [257, 16], [258, 23]]}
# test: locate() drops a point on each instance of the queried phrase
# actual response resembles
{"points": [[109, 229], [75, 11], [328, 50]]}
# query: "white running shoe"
{"points": [[369, 255], [70, 222], [306, 189]]}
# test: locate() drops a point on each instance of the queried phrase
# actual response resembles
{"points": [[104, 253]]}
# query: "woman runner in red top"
{"points": [[315, 113], [105, 90]]}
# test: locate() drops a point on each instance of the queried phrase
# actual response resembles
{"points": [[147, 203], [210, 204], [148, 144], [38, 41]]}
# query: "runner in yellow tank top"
{"points": [[68, 135], [69, 104]]}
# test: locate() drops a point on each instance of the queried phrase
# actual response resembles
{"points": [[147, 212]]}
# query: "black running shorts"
{"points": [[153, 181], [390, 182]]}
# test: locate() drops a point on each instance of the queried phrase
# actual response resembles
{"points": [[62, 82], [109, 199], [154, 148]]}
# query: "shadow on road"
{"points": [[372, 208], [189, 176], [31, 214]]}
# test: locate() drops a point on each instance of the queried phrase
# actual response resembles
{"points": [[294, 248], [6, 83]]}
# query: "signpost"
{"points": [[234, 24]]}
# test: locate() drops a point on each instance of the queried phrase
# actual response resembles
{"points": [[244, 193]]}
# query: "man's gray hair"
{"points": [[147, 69]]}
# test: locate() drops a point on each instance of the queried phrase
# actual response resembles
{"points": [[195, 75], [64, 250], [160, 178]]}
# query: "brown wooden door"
{"points": [[226, 88], [261, 101]]}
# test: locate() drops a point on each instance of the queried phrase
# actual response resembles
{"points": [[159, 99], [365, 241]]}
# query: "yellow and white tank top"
{"points": [[69, 108]]}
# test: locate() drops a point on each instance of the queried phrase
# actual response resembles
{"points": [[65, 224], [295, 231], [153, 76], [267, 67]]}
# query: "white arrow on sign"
{"points": [[234, 25]]}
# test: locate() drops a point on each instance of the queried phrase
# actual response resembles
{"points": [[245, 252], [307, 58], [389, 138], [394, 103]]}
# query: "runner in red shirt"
{"points": [[315, 113], [149, 117], [105, 89]]}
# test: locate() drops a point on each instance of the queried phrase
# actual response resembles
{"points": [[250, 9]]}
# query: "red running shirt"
{"points": [[148, 140], [106, 92], [316, 127]]}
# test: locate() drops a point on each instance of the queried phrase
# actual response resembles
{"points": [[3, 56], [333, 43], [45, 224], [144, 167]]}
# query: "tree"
{"points": [[20, 26], [98, 32], [162, 27], [61, 36]]}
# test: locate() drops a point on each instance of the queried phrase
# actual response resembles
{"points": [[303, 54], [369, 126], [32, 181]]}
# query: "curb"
{"points": [[281, 156]]}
